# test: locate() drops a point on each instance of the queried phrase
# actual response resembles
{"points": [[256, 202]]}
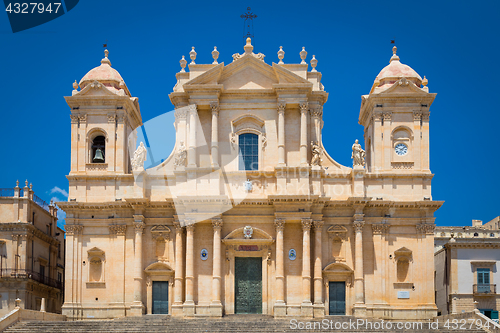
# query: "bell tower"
{"points": [[395, 116], [103, 114]]}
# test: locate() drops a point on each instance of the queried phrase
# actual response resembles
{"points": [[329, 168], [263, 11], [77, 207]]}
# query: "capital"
{"points": [[358, 225], [318, 225], [73, 229], [118, 229], [279, 224], [303, 106], [217, 223], [139, 226], [380, 228], [214, 106], [281, 107], [306, 224]]}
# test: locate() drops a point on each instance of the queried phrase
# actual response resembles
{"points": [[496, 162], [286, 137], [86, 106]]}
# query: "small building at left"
{"points": [[31, 251]]}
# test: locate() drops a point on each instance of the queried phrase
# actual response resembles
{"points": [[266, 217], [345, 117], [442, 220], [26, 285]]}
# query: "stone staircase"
{"points": [[230, 323]]}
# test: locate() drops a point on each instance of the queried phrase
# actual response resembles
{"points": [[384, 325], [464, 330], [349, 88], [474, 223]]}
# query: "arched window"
{"points": [[98, 149], [249, 151]]}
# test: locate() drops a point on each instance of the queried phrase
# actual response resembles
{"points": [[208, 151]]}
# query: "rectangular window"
{"points": [[483, 276], [59, 276], [42, 271], [59, 250]]}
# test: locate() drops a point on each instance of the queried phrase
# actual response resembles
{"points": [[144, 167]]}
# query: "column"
{"points": [[319, 308], [387, 140], [137, 306], [280, 306], [303, 133], [281, 134], [316, 114], [178, 280], [359, 300], [425, 142], [215, 133], [306, 308], [216, 306], [192, 137], [189, 300], [74, 143], [23, 252]]}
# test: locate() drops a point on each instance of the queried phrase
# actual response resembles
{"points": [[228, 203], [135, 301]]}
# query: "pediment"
{"points": [[248, 72], [337, 228], [95, 252], [257, 234], [210, 77], [338, 267], [95, 88], [159, 267], [285, 76], [403, 87]]}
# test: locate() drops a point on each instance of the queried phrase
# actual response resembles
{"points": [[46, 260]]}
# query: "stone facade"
{"points": [[466, 268], [327, 237], [31, 252]]}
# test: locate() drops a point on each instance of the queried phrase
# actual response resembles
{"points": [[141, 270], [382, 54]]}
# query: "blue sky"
{"points": [[454, 43]]}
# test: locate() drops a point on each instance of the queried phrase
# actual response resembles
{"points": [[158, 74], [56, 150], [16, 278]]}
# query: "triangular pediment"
{"points": [[248, 72], [286, 76], [211, 76]]}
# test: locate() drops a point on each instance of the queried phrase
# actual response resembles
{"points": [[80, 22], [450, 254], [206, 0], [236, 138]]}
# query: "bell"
{"points": [[98, 158]]}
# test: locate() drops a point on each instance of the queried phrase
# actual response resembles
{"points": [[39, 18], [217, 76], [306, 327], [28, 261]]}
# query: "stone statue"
{"points": [[180, 155], [316, 152], [140, 155], [358, 154]]}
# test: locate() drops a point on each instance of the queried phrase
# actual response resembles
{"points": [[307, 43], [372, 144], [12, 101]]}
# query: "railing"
{"points": [[9, 192], [41, 203], [6, 192], [484, 289], [28, 274]]}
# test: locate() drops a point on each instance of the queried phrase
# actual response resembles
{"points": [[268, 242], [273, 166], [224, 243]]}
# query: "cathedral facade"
{"points": [[249, 213]]}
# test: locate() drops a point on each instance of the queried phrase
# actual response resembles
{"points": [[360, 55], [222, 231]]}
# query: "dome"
{"points": [[105, 74], [395, 71]]}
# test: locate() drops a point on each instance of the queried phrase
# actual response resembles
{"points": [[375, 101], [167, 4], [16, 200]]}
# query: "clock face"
{"points": [[401, 149]]}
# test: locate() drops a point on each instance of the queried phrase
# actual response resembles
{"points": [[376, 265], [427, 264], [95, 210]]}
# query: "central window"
{"points": [[249, 151]]}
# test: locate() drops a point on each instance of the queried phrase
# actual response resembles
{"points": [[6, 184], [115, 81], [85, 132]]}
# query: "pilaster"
{"points": [[280, 305], [306, 308]]}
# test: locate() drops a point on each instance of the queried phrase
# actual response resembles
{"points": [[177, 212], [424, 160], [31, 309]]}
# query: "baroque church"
{"points": [[249, 213]]}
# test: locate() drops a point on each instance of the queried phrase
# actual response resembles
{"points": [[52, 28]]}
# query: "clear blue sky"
{"points": [[454, 43]]}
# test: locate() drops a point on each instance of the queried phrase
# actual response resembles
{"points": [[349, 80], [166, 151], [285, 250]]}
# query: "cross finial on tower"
{"points": [[248, 23]]}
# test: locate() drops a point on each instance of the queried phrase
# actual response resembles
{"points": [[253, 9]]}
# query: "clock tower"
{"points": [[395, 116]]}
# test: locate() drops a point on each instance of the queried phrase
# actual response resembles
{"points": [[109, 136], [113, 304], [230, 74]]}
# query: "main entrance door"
{"points": [[337, 298], [160, 297], [248, 285]]}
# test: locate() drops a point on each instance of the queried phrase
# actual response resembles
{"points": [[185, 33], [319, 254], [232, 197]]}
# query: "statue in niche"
{"points": [[358, 154], [316, 152], [180, 155], [140, 155]]}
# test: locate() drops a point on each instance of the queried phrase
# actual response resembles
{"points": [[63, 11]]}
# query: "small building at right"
{"points": [[466, 270]]}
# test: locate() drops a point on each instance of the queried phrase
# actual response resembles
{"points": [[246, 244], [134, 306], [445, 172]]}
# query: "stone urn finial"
{"points": [[281, 55], [183, 63], [215, 55], [303, 55], [75, 85], [425, 81], [18, 303], [314, 63], [192, 55], [248, 47]]}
